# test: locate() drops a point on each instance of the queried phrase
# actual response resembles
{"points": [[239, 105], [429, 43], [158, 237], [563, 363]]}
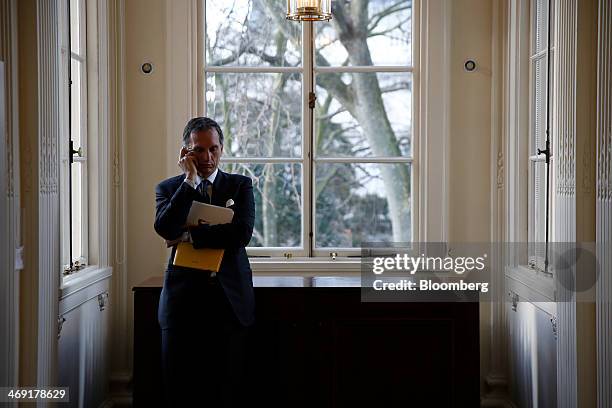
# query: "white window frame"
{"points": [[431, 92], [410, 160], [521, 276], [533, 260], [97, 143], [66, 62], [309, 70], [306, 198]]}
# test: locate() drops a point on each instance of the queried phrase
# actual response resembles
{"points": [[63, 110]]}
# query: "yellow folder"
{"points": [[207, 259]]}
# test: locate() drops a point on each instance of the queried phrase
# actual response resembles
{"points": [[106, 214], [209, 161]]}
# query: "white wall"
{"points": [[470, 137], [145, 126]]}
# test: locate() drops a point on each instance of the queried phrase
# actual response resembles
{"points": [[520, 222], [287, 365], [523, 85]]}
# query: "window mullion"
{"points": [[83, 109], [204, 67], [265, 160], [365, 69], [365, 159], [307, 139], [237, 69], [69, 268]]}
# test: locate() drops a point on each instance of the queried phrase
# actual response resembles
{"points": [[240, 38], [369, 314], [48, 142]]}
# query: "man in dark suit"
{"points": [[203, 315]]}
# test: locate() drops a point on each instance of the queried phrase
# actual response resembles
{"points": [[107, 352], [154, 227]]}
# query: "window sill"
{"points": [[306, 267], [532, 286], [84, 278]]}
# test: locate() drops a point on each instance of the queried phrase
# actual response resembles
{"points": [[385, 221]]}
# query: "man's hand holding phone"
{"points": [[187, 163]]}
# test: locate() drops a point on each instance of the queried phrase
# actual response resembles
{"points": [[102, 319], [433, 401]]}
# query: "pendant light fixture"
{"points": [[309, 10]]}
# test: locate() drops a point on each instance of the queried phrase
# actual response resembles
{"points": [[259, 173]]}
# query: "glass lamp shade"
{"points": [[309, 10]]}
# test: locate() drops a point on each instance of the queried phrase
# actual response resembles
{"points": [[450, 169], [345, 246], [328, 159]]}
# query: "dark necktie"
{"points": [[203, 188]]}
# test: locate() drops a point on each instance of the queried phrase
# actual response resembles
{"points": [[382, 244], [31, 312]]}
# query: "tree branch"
{"points": [[395, 87], [371, 32], [376, 18]]}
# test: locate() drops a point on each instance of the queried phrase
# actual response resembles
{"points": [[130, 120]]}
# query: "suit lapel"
{"points": [[218, 190]]}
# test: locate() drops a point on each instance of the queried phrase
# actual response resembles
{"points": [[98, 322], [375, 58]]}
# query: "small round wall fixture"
{"points": [[470, 65], [146, 68]]}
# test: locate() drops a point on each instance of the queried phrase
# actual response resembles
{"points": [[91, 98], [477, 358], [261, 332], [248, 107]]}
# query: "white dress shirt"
{"points": [[198, 179]]}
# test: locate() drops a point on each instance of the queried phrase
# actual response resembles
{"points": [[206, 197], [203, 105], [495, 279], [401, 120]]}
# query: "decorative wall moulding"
{"points": [[500, 170]]}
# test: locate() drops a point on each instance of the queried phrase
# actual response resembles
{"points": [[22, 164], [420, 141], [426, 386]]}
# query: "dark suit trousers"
{"points": [[204, 362]]}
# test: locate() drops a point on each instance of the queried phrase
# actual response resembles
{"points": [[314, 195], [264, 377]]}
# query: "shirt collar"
{"points": [[210, 178]]}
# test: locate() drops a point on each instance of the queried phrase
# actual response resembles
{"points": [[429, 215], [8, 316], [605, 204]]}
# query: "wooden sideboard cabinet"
{"points": [[320, 346]]}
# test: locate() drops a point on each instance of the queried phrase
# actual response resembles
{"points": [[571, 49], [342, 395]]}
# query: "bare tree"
{"points": [[362, 98]]}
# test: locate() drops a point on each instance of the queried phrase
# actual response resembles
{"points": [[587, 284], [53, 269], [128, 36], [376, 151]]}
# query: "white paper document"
{"points": [[210, 214]]}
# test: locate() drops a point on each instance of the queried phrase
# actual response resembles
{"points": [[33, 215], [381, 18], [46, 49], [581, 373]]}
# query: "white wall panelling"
{"points": [[516, 121], [40, 133], [574, 139], [496, 378], [83, 343], [48, 189], [533, 370], [433, 76], [573, 160], [9, 200], [5, 319], [120, 342], [565, 193], [604, 207]]}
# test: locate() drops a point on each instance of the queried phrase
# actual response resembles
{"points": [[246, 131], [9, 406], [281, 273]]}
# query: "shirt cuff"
{"points": [[193, 183]]}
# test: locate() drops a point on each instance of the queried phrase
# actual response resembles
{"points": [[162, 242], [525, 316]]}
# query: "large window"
{"points": [[540, 217], [320, 116], [74, 206]]}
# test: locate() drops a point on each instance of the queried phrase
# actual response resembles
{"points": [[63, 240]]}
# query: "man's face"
{"points": [[206, 149]]}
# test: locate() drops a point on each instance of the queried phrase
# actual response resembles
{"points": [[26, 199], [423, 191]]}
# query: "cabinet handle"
{"points": [[60, 325], [553, 322], [102, 300], [514, 299]]}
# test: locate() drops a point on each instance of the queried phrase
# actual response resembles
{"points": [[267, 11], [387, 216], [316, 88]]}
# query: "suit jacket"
{"points": [[181, 294]]}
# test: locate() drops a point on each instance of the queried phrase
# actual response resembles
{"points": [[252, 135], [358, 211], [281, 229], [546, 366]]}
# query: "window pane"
{"points": [[541, 31], [538, 174], [540, 201], [537, 214], [386, 28], [261, 114], [76, 107], [75, 25], [77, 210], [362, 202], [278, 202], [364, 114], [539, 101], [537, 223], [251, 33]]}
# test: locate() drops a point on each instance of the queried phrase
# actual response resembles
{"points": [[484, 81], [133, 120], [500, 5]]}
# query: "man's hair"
{"points": [[201, 124]]}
